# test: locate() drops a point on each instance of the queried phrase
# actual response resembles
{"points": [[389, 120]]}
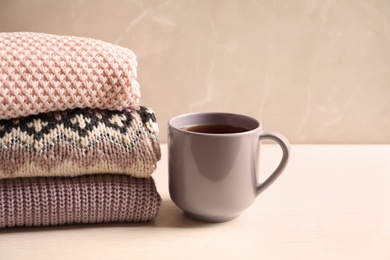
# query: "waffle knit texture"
{"points": [[80, 141], [87, 199], [41, 73]]}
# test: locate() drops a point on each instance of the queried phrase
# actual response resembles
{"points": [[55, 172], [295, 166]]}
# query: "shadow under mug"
{"points": [[213, 176]]}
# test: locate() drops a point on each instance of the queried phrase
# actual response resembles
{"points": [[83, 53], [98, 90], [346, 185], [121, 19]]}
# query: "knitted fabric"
{"points": [[41, 73], [86, 199], [80, 141]]}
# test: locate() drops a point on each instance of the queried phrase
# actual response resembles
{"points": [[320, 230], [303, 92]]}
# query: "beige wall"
{"points": [[316, 70]]}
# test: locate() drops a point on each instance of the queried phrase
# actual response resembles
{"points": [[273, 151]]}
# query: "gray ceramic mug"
{"points": [[213, 176]]}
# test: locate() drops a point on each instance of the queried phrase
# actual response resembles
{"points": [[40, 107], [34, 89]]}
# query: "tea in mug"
{"points": [[215, 129]]}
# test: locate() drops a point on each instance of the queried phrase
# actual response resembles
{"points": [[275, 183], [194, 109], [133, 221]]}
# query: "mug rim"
{"points": [[251, 130]]}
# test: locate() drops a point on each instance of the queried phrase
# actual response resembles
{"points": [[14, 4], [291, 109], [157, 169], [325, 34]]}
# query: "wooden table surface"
{"points": [[332, 202]]}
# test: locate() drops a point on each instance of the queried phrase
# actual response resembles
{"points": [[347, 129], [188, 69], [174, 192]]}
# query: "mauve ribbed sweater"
{"points": [[47, 201]]}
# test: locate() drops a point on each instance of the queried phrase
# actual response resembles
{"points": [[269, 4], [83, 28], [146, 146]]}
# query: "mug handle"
{"points": [[285, 145]]}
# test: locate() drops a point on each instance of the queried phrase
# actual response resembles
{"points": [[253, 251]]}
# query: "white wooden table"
{"points": [[332, 202]]}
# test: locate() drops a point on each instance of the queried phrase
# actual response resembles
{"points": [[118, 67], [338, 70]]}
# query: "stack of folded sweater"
{"points": [[75, 145]]}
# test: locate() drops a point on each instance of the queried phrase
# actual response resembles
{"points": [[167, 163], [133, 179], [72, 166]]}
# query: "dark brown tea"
{"points": [[215, 129]]}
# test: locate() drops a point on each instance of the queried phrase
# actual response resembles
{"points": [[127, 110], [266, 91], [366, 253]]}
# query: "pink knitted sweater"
{"points": [[42, 73]]}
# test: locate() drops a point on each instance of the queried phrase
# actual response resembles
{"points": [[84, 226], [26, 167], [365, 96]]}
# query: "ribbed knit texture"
{"points": [[80, 141], [41, 73], [86, 199]]}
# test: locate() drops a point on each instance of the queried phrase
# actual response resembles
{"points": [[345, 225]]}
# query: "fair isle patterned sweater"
{"points": [[78, 142], [75, 146]]}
